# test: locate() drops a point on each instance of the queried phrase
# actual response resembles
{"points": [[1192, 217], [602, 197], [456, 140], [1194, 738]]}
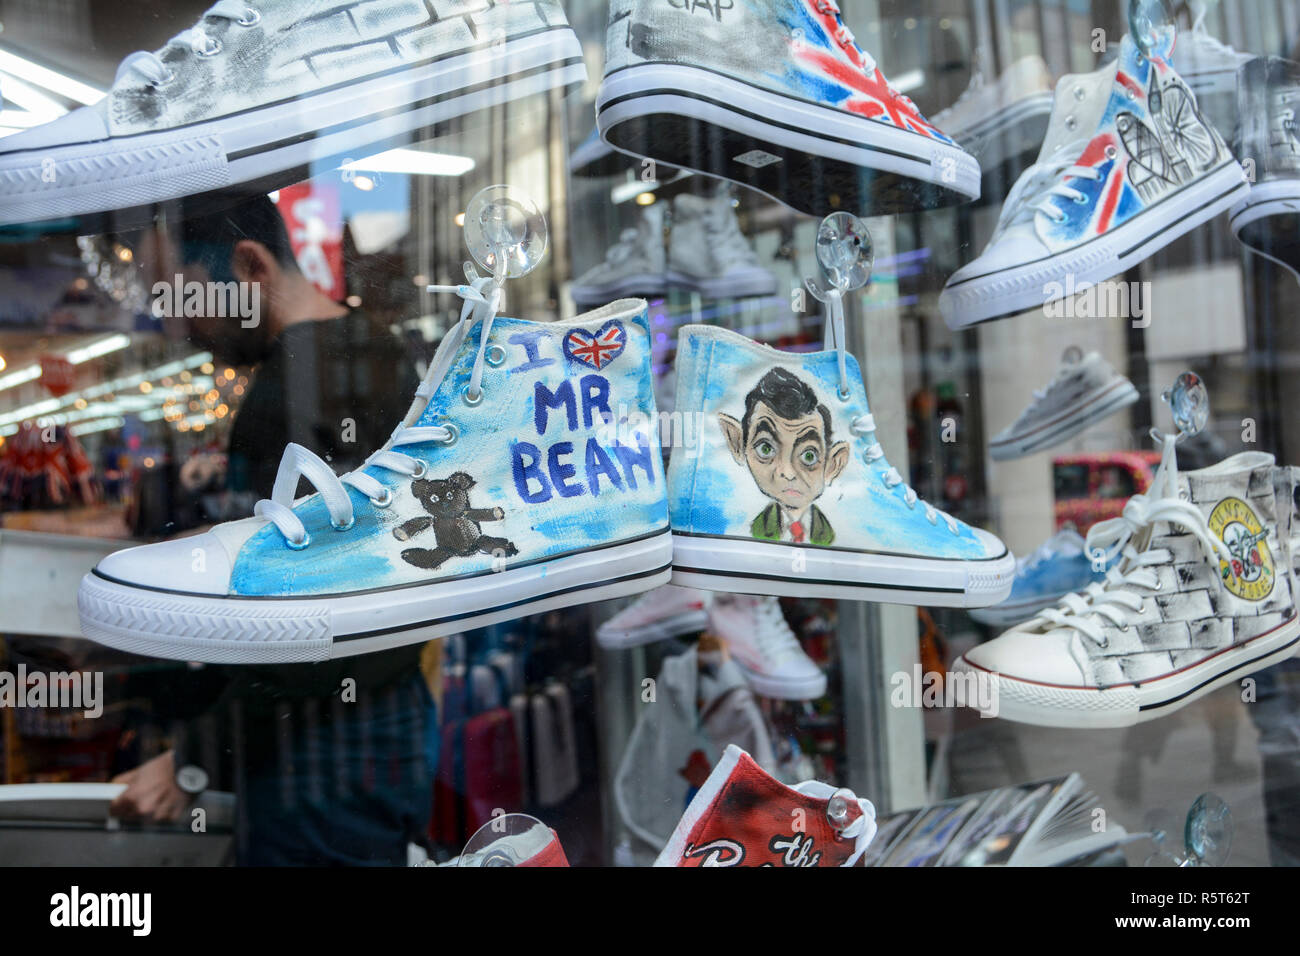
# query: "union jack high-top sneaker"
{"points": [[787, 490], [524, 478], [777, 95], [258, 88], [1128, 166], [741, 816], [1202, 596]]}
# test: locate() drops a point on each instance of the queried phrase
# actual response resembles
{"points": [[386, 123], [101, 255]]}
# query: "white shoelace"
{"points": [[773, 635], [299, 462], [1127, 585], [150, 67], [861, 830], [1042, 182]]}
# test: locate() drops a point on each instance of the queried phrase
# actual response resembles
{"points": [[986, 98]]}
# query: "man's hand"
{"points": [[151, 792]]}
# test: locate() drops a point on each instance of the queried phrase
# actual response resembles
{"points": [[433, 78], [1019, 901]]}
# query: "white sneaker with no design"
{"points": [[764, 648], [657, 615], [708, 254]]}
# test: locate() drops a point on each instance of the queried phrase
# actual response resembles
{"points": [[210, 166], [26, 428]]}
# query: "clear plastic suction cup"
{"points": [[505, 231], [1189, 402], [1208, 832], [1146, 20], [505, 840], [844, 251]]}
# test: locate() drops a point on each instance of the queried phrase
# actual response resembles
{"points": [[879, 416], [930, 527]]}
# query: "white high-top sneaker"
{"points": [[258, 88], [657, 615], [635, 265], [1001, 119], [1207, 65], [515, 484], [1083, 390], [708, 254], [765, 648], [777, 96], [1129, 165], [1202, 596]]}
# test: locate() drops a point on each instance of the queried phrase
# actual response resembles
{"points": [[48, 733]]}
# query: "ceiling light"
{"points": [[415, 162], [56, 82]]}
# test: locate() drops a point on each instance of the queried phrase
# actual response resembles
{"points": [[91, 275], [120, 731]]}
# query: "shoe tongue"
{"points": [[1077, 109]]}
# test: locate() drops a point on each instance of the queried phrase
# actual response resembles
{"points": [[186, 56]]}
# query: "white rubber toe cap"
{"points": [[1030, 655], [84, 125], [993, 546], [1018, 246], [194, 565]]}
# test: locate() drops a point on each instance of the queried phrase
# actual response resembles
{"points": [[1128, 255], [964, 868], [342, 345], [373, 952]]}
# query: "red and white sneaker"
{"points": [[741, 816], [533, 845], [764, 648], [657, 615]]}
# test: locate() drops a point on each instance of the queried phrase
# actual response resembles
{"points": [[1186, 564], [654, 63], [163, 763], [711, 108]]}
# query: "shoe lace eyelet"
{"points": [[210, 48], [251, 18], [345, 526], [453, 434], [844, 394], [421, 469], [384, 500], [1111, 152], [496, 356], [299, 544], [471, 400], [1081, 200]]}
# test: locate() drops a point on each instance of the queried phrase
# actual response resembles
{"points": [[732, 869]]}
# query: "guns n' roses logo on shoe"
{"points": [[1250, 574]]}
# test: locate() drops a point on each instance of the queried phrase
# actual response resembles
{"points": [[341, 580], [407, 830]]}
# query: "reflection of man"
{"points": [[784, 439]]}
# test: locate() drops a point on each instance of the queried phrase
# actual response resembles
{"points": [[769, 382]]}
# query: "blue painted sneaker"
{"points": [[787, 492], [504, 491], [1061, 565]]}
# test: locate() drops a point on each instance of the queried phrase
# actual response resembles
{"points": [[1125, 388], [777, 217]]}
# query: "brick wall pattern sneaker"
{"points": [[1268, 219], [1083, 391], [1000, 120], [635, 265], [1128, 166], [788, 492], [1201, 597], [504, 491], [708, 254], [260, 87], [742, 816], [761, 643], [1061, 565], [657, 615], [776, 95]]}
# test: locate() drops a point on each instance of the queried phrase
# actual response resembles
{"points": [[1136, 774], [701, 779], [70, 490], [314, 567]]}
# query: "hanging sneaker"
{"points": [[503, 492], [635, 265], [1061, 565], [765, 649], [1128, 166], [1267, 220], [259, 89], [1207, 65], [741, 816], [1200, 597], [788, 492], [536, 846], [1004, 119], [1083, 391], [708, 254], [777, 96], [657, 615]]}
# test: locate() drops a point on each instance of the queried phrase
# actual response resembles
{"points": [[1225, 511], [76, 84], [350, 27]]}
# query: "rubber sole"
{"points": [[647, 285], [741, 284], [248, 630], [747, 566], [815, 159], [1123, 705], [1268, 222], [688, 622], [1103, 403], [1024, 287], [278, 142], [784, 688]]}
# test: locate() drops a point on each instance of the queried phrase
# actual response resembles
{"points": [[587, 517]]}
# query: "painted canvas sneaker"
{"points": [[504, 491], [529, 844], [260, 87], [1128, 166], [1201, 596], [657, 615], [1083, 391], [1268, 218], [1061, 565], [788, 492], [742, 816], [708, 254], [1002, 119], [761, 643], [776, 95], [635, 265]]}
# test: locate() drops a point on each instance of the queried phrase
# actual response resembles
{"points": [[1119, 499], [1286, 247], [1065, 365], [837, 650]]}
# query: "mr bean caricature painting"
{"points": [[784, 439]]}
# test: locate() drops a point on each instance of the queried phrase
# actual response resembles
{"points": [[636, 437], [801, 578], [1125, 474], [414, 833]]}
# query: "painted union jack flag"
{"points": [[596, 350]]}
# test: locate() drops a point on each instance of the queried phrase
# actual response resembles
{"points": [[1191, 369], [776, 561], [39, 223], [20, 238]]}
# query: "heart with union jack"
{"points": [[596, 350]]}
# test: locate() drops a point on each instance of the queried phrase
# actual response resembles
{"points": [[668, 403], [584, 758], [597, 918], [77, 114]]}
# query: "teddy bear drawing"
{"points": [[456, 531]]}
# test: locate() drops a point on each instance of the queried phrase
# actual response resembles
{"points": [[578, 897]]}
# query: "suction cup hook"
{"points": [[1146, 20], [1189, 403], [845, 256], [1072, 355], [505, 232], [1207, 834], [492, 843]]}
